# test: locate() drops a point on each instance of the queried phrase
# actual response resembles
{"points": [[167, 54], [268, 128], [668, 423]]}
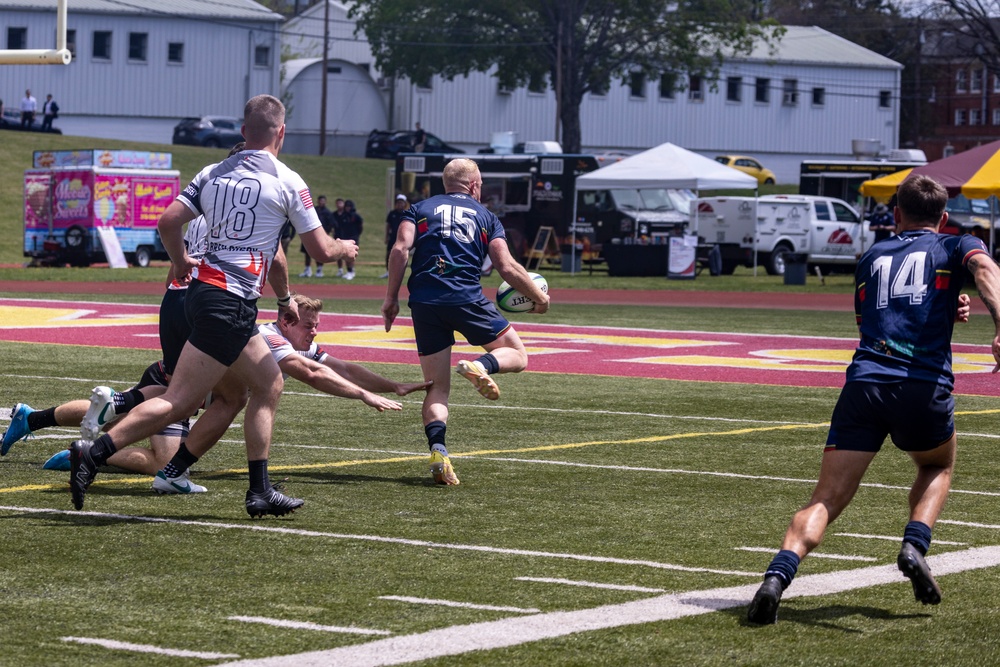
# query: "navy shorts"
{"points": [[221, 323], [435, 325], [174, 328], [919, 416]]}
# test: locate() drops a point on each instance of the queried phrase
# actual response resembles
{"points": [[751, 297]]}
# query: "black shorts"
{"points": [[221, 323], [434, 326], [919, 416], [174, 328]]}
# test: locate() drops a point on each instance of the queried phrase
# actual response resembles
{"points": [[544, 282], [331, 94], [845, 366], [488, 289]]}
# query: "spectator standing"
{"points": [[339, 220], [349, 226], [419, 140], [50, 111], [325, 219], [392, 221], [882, 223], [28, 107]]}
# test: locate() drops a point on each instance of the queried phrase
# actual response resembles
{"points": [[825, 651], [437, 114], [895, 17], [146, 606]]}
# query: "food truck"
{"points": [[93, 205]]}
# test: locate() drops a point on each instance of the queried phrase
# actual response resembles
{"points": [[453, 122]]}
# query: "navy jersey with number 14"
{"points": [[906, 298]]}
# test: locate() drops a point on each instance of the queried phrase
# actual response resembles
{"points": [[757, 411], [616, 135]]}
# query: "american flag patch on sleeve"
{"points": [[306, 198], [275, 341]]}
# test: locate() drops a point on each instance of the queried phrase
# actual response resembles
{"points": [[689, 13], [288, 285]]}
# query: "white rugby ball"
{"points": [[512, 301]]}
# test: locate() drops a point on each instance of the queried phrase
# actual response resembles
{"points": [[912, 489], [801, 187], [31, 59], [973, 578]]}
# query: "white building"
{"points": [[140, 66], [809, 98]]}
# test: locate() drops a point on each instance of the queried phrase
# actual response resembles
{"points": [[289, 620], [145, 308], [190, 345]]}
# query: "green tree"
{"points": [[573, 46]]}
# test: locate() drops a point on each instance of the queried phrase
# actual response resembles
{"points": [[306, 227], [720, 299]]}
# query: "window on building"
{"points": [[137, 43], [637, 84], [996, 116], [762, 91], [790, 92], [976, 81], [175, 52], [959, 117], [537, 83], [102, 45], [262, 56], [975, 116], [734, 89], [996, 83], [884, 99], [668, 85], [961, 81], [17, 38], [696, 88], [819, 97], [71, 42]]}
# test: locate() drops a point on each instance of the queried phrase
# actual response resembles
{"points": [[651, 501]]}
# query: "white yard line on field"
{"points": [[305, 625], [528, 553], [771, 550], [146, 648], [461, 639], [590, 584], [462, 605], [898, 538]]}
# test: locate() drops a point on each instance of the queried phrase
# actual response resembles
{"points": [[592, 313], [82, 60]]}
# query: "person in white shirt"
{"points": [[28, 107]]}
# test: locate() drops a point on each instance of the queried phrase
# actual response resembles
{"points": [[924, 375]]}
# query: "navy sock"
{"points": [[40, 419], [103, 448], [181, 461], [435, 437], [784, 565], [918, 534], [259, 481], [490, 363], [126, 400]]}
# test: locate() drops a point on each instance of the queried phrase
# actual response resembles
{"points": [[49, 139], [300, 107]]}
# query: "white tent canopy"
{"points": [[667, 166]]}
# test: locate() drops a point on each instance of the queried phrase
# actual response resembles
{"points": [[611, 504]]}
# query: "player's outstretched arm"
{"points": [[277, 277], [323, 378], [324, 249], [399, 255], [987, 276], [516, 275], [370, 380]]}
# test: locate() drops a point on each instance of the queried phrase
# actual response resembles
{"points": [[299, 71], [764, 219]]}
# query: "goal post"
{"points": [[57, 56]]}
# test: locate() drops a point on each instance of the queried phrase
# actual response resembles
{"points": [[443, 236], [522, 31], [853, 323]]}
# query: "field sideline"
{"points": [[602, 516]]}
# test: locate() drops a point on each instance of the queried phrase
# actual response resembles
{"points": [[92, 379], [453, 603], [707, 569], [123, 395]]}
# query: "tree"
{"points": [[974, 27], [574, 46]]}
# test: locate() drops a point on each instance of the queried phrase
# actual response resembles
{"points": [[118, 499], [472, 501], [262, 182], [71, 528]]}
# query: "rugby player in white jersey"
{"points": [[246, 200]]}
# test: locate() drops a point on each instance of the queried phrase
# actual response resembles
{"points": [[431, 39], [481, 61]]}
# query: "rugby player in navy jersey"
{"points": [[899, 384], [451, 235]]}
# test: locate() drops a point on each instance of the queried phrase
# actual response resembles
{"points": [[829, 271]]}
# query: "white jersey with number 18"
{"points": [[246, 200]]}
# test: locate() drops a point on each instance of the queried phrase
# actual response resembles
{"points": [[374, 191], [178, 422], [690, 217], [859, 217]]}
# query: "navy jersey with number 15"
{"points": [[451, 243], [906, 298]]}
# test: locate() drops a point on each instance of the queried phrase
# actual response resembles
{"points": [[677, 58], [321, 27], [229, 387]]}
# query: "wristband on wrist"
{"points": [[283, 301]]}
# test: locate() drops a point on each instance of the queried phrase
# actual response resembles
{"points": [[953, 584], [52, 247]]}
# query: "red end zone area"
{"points": [[666, 355]]}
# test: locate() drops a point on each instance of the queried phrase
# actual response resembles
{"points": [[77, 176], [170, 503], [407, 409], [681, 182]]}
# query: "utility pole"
{"points": [[559, 72], [326, 51]]}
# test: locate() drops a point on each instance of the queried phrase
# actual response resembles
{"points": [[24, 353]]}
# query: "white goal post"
{"points": [[57, 56]]}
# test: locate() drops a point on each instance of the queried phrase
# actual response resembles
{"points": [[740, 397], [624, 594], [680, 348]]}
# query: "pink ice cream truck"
{"points": [[69, 196]]}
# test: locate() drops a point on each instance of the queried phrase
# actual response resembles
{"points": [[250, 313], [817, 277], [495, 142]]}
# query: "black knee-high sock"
{"points": [[435, 436], [259, 481], [181, 461], [103, 448], [40, 419], [126, 400]]}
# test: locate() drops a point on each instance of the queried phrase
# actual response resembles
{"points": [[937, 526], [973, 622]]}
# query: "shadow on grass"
{"points": [[825, 616]]}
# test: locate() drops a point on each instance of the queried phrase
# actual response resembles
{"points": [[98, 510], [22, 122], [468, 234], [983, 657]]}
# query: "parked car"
{"points": [[748, 165], [386, 145], [11, 120], [211, 131]]}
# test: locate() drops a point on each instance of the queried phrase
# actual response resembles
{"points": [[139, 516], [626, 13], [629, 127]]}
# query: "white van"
{"points": [[828, 230]]}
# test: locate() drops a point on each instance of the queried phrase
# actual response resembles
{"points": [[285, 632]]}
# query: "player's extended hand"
{"points": [[404, 388], [964, 308], [183, 269], [996, 352], [381, 403], [292, 310], [389, 311]]}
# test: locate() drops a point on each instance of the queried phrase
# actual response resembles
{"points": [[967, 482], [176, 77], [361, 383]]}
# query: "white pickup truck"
{"points": [[828, 230]]}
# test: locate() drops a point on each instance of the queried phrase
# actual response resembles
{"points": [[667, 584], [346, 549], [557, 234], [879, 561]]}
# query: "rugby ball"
{"points": [[512, 301]]}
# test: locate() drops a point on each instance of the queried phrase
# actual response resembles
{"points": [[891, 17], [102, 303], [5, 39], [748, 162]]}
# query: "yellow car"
{"points": [[748, 165]]}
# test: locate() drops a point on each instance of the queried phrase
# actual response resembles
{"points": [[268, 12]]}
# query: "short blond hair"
{"points": [[305, 305], [263, 117], [459, 175]]}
